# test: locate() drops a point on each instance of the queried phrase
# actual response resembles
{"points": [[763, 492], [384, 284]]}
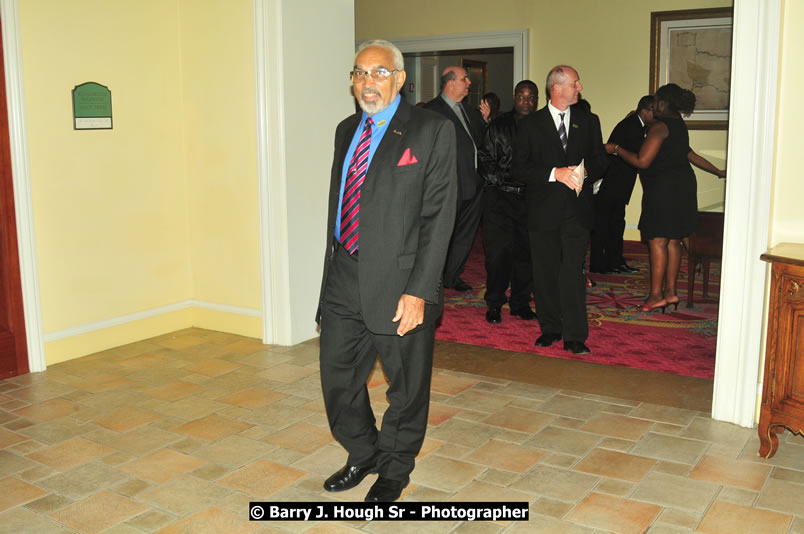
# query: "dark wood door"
{"points": [[13, 348]]}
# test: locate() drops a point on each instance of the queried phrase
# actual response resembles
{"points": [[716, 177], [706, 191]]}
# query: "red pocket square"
{"points": [[407, 159]]}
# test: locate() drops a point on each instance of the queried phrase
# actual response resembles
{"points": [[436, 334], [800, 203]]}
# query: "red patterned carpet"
{"points": [[680, 342]]}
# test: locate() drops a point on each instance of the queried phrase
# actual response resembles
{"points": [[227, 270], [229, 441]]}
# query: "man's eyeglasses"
{"points": [[378, 75]]}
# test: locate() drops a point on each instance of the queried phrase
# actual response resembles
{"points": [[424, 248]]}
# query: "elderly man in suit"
{"points": [[469, 128], [391, 210], [549, 147], [615, 192]]}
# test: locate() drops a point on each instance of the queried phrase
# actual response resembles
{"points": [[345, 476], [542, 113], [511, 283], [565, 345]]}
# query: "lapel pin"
{"points": [[397, 132], [381, 122]]}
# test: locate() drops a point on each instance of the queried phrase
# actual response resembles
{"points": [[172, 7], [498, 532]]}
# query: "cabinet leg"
{"points": [[768, 442]]}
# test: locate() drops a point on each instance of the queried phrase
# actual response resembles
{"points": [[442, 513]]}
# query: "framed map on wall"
{"points": [[692, 48]]}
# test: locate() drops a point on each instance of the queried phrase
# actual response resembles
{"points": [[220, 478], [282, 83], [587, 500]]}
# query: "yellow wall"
{"points": [[609, 45], [787, 218], [162, 209]]}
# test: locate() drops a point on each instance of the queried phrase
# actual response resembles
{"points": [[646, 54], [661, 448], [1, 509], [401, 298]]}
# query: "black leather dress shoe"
{"points": [[347, 477], [460, 285], [493, 315], [525, 314], [545, 340], [386, 490], [576, 347], [625, 268]]}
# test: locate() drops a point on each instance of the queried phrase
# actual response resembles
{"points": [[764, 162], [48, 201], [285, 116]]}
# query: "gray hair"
{"points": [[556, 76], [399, 62]]}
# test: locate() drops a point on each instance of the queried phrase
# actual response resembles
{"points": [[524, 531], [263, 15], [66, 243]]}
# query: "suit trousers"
{"points": [[507, 249], [607, 235], [559, 285], [348, 354], [467, 219]]}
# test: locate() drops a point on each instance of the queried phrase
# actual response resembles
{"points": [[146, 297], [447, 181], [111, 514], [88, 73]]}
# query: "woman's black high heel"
{"points": [[673, 303]]}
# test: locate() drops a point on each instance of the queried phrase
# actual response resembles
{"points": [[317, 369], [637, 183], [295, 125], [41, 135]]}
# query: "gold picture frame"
{"points": [[692, 48]]}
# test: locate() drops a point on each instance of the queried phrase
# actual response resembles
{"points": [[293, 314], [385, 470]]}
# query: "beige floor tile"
{"points": [[789, 475], [23, 520], [49, 503], [14, 492], [183, 495], [99, 512], [70, 453], [519, 419], [26, 447], [574, 407], [212, 367], [676, 492], [497, 477], [450, 385], [276, 416], [174, 391], [162, 465], [664, 414], [285, 372], [464, 433], [547, 525], [440, 412], [301, 437], [8, 438], [211, 428], [718, 432], [618, 426], [506, 456], [39, 392], [429, 446], [48, 410], [737, 496], [680, 518], [307, 388], [262, 478], [57, 430], [211, 471], [613, 464], [556, 483], [444, 473], [480, 401], [131, 487], [101, 383], [125, 419], [83, 480], [252, 398], [620, 488], [180, 342], [727, 472], [550, 507], [37, 473], [234, 451], [670, 448], [150, 521], [477, 491], [614, 514], [727, 518], [560, 460], [564, 441], [190, 408], [782, 496], [143, 440]]}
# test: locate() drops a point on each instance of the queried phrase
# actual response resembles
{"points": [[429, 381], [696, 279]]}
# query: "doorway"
{"points": [[13, 347]]}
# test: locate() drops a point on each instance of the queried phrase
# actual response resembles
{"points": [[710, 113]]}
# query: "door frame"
{"points": [[20, 169]]}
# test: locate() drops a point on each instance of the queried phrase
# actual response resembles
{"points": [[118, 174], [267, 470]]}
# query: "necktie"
{"points": [[355, 175], [562, 132]]}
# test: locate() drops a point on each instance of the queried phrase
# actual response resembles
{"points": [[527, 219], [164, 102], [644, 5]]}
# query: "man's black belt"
{"points": [[515, 189]]}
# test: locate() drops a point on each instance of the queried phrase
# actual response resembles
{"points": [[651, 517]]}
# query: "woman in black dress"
{"points": [[669, 197]]}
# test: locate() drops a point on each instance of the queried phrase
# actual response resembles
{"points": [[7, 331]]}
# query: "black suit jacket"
{"points": [[620, 177], [537, 150], [469, 181], [406, 214]]}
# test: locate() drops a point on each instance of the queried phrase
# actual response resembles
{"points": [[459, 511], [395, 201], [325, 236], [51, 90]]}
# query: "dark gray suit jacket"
{"points": [[406, 214]]}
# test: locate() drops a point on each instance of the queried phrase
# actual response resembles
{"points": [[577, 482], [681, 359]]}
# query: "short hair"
{"points": [[677, 99], [646, 102], [554, 77], [529, 84], [399, 61], [448, 77]]}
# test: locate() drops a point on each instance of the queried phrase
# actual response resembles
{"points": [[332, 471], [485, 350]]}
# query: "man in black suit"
{"points": [[615, 193], [391, 209], [550, 144], [469, 127], [505, 215]]}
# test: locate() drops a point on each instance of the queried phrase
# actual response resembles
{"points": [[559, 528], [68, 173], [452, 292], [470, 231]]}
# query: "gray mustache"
{"points": [[369, 91]]}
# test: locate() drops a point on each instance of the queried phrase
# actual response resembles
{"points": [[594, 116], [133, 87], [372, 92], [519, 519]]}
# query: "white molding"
{"points": [[752, 125], [21, 171], [147, 314], [518, 39], [271, 171]]}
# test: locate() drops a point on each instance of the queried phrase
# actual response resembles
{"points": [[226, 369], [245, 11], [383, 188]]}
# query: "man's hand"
{"points": [[409, 313], [566, 177], [485, 110]]}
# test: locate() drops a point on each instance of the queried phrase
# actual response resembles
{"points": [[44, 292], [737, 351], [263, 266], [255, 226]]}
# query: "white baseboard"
{"points": [[147, 314]]}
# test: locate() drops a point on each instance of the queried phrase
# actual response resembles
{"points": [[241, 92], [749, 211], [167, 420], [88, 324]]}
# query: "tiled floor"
{"points": [[178, 433]]}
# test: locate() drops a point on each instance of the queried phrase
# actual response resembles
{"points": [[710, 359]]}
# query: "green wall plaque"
{"points": [[92, 107]]}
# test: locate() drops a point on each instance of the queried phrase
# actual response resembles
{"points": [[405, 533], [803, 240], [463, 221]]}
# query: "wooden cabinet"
{"points": [[783, 385]]}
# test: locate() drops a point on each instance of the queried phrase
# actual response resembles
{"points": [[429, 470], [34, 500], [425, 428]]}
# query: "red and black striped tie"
{"points": [[355, 175]]}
